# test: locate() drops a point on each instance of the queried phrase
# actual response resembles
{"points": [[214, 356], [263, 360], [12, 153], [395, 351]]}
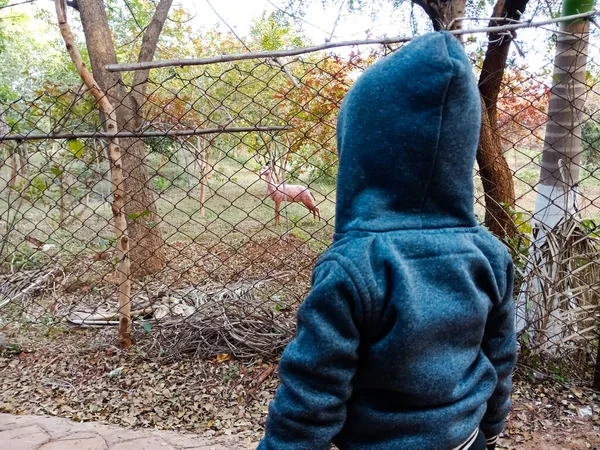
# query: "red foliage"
{"points": [[311, 109], [522, 107]]}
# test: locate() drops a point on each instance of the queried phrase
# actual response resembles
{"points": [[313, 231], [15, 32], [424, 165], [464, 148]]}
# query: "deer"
{"points": [[288, 192]]}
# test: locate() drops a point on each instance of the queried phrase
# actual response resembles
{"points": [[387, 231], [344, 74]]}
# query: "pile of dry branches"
{"points": [[238, 319]]}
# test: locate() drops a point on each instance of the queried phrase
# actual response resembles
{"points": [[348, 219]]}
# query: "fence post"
{"points": [[114, 151]]}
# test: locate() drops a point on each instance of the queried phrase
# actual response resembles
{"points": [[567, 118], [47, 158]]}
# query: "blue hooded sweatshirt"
{"points": [[406, 340]]}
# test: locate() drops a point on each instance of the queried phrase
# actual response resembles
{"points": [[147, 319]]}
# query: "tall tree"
{"points": [[147, 244], [117, 175], [496, 176]]}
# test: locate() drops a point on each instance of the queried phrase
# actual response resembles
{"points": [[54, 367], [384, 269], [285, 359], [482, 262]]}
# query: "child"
{"points": [[406, 340]]}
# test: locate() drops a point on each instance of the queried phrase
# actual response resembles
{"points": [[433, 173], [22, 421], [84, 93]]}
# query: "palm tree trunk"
{"points": [[559, 171]]}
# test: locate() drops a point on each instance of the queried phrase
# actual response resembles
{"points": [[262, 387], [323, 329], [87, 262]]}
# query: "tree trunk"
{"points": [[183, 162], [4, 132], [147, 244], [496, 176], [106, 195], [202, 163], [12, 158], [61, 201], [557, 189], [118, 209], [24, 160], [444, 13]]}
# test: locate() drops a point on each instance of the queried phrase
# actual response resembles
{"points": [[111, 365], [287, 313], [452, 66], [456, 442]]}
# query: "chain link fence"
{"points": [[209, 158]]}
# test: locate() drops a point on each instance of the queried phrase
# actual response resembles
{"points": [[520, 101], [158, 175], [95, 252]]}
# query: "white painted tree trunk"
{"points": [[538, 306]]}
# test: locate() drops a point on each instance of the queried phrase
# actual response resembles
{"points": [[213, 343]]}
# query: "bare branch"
{"points": [[137, 22], [83, 72], [227, 25], [77, 95], [329, 45], [431, 13], [337, 19], [285, 71]]}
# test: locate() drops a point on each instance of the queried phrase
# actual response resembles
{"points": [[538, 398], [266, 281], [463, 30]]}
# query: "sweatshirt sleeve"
{"points": [[317, 367], [499, 345]]}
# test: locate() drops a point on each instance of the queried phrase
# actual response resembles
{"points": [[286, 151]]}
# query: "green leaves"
{"points": [[274, 32], [590, 227], [56, 171], [160, 183], [39, 184], [34, 190], [76, 147]]}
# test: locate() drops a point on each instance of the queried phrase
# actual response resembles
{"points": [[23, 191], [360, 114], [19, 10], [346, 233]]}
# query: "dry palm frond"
{"points": [[562, 286], [24, 285]]}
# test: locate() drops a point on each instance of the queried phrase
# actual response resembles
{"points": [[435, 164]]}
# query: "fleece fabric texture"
{"points": [[406, 340]]}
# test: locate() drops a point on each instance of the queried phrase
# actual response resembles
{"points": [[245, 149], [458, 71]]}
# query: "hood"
{"points": [[407, 136]]}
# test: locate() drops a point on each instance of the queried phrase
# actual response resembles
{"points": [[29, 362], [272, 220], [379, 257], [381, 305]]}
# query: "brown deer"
{"points": [[288, 192]]}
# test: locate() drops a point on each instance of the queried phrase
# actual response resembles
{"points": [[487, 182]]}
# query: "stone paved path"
{"points": [[52, 433]]}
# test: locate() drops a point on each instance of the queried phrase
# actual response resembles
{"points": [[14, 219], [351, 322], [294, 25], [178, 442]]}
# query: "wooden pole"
{"points": [[201, 158], [114, 151]]}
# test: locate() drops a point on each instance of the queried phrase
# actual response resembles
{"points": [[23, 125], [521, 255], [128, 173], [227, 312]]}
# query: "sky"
{"points": [[322, 19]]}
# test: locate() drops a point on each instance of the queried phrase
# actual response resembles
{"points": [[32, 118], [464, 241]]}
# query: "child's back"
{"points": [[406, 340]]}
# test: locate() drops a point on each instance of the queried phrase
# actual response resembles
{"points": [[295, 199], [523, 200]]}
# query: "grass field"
{"points": [[237, 209]]}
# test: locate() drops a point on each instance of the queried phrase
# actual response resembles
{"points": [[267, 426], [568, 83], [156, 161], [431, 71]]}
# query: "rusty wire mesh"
{"points": [[211, 273]]}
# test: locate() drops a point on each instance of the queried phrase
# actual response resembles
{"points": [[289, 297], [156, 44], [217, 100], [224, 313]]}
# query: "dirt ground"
{"points": [[51, 369], [222, 397], [549, 416]]}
